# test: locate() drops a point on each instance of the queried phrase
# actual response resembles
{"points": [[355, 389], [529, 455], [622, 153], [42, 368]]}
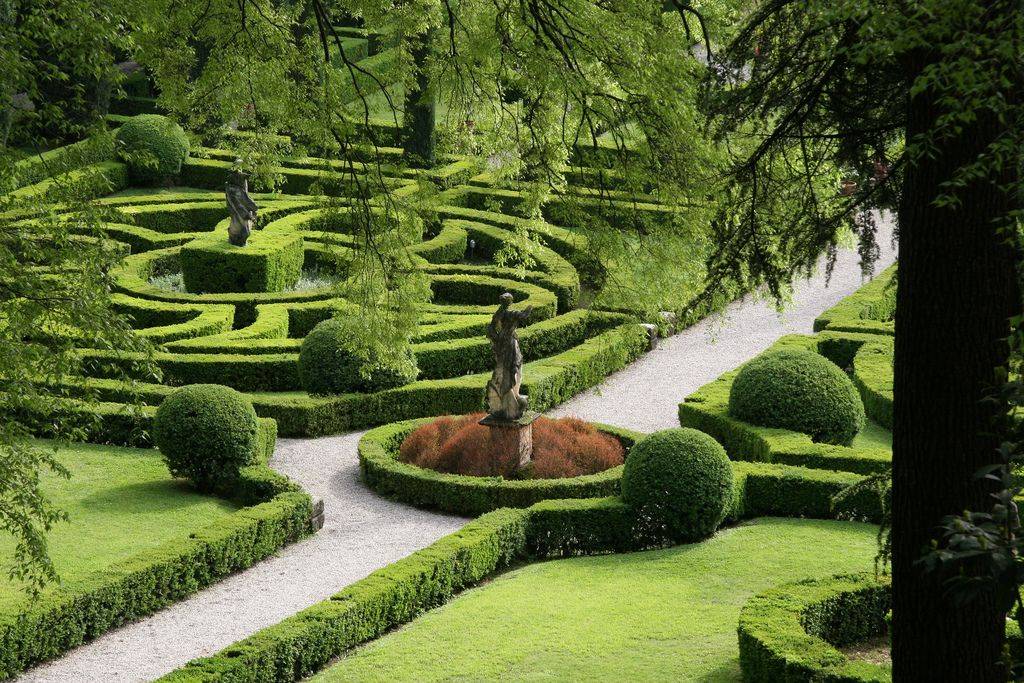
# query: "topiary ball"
{"points": [[206, 433], [798, 390], [329, 365], [154, 147], [679, 481]]}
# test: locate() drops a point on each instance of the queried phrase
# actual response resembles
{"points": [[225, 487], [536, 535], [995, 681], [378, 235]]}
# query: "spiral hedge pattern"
{"points": [[234, 316]]}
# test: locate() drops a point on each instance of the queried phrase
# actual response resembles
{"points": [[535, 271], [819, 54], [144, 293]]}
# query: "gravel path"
{"points": [[646, 395], [363, 532]]}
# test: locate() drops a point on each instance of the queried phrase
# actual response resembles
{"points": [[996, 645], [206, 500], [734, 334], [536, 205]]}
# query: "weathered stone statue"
{"points": [[242, 208], [504, 402]]}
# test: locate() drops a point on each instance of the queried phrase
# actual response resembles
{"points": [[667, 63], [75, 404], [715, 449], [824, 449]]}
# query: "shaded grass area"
{"points": [[873, 435], [120, 501], [660, 615]]}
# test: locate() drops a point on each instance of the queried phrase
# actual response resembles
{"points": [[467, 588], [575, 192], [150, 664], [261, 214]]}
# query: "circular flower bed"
{"points": [[384, 472], [568, 447]]}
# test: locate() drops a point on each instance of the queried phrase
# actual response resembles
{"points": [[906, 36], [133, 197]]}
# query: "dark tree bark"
{"points": [[957, 289], [418, 140]]}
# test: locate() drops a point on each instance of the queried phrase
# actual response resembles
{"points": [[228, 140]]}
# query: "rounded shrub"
{"points": [[154, 148], [206, 433], [329, 365], [680, 480], [798, 390]]}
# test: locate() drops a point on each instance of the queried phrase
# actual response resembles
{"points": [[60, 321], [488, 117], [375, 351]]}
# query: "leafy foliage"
{"points": [[153, 146], [329, 362], [681, 481], [798, 390], [207, 433]]}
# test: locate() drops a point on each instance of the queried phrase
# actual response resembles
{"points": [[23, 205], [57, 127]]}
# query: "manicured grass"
{"points": [[120, 501], [873, 435], [660, 615]]}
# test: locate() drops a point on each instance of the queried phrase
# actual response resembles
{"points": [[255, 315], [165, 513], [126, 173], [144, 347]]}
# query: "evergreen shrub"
{"points": [[154, 148], [801, 391], [207, 433], [679, 480]]}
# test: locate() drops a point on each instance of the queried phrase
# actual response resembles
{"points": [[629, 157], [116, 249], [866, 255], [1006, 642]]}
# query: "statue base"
{"points": [[513, 434]]}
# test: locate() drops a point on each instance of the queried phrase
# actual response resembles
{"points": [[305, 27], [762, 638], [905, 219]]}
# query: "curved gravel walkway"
{"points": [[363, 532], [646, 395]]}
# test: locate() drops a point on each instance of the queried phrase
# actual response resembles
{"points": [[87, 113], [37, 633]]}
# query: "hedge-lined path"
{"points": [[644, 396], [363, 532]]}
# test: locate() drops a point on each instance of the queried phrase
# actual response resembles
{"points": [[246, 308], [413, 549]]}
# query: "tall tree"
{"points": [[54, 258], [923, 99]]}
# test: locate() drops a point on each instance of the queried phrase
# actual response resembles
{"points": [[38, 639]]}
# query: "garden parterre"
{"points": [[236, 318], [764, 484]]}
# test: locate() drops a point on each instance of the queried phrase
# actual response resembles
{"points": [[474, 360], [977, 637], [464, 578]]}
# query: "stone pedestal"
{"points": [[513, 434]]}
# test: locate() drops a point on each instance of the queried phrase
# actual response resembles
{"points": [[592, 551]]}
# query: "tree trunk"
{"points": [[418, 139], [957, 289]]}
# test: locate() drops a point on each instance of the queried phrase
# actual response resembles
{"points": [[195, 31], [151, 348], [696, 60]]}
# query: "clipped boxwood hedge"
{"points": [[393, 595], [798, 389], [868, 310], [276, 513], [466, 495], [548, 382], [269, 262], [707, 409], [791, 632], [872, 374]]}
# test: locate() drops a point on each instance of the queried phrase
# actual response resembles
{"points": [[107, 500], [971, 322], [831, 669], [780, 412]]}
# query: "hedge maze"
{"points": [[234, 316]]}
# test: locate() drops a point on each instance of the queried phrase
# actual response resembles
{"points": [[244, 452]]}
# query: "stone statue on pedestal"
{"points": [[504, 402], [242, 208]]}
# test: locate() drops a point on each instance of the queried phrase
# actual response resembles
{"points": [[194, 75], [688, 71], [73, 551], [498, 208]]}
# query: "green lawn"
{"points": [[660, 615], [873, 435], [120, 501]]}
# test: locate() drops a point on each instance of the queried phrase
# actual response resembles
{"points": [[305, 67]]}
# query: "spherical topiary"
{"points": [[154, 148], [206, 432], [798, 390], [680, 481], [329, 365]]}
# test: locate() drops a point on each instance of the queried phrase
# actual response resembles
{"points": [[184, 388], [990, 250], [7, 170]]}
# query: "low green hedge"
{"points": [[464, 495], [393, 595], [213, 173], [237, 361], [38, 167], [277, 512], [772, 490], [759, 489], [270, 262], [869, 310], [447, 246], [707, 409], [790, 633], [872, 375], [558, 274], [548, 381], [397, 593], [572, 246], [86, 182]]}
